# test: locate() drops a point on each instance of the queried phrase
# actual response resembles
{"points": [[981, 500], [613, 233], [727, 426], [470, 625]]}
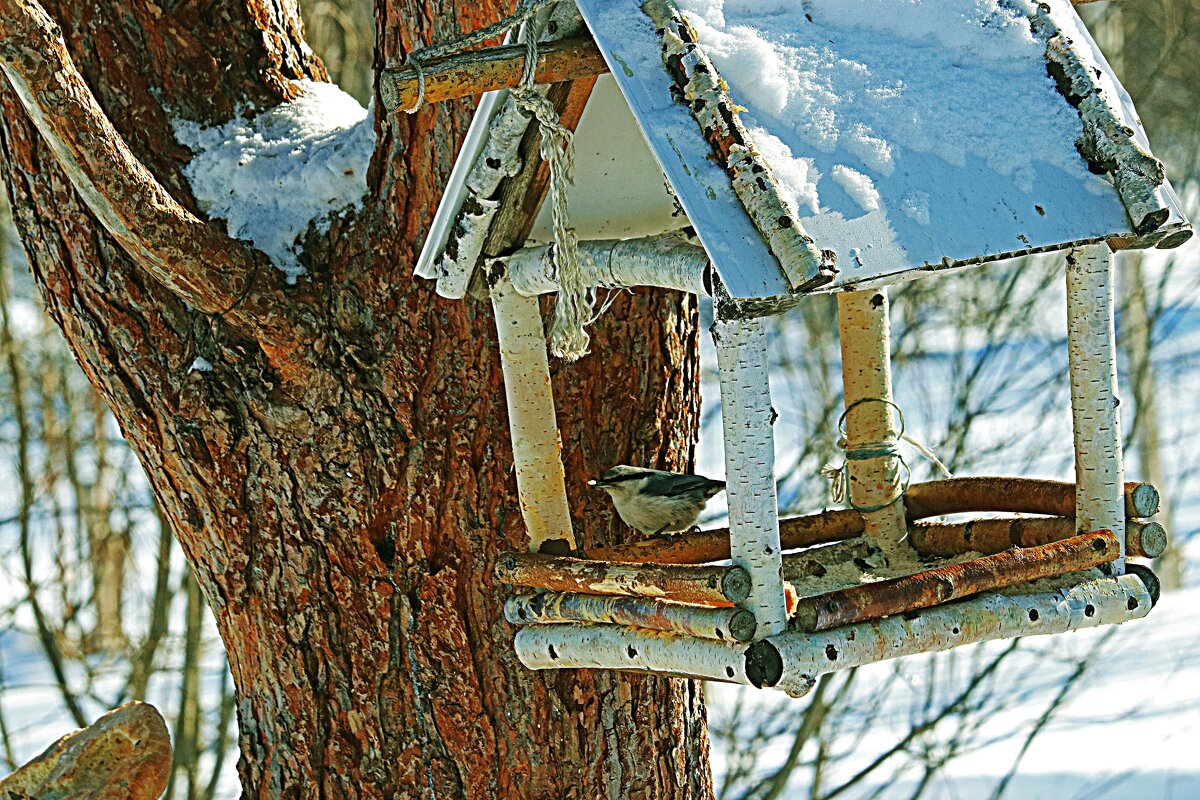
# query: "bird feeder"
{"points": [[919, 144]]}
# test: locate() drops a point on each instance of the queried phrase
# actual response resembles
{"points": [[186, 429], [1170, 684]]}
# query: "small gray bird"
{"points": [[653, 501]]}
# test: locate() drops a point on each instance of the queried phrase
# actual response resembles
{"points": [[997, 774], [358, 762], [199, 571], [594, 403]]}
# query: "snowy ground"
{"points": [[1130, 728]]}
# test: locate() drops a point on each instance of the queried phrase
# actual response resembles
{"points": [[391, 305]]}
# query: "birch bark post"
{"points": [[532, 424], [747, 420], [1091, 352], [875, 482]]}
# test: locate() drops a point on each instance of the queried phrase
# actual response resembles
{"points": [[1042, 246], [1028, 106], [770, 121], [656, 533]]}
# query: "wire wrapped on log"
{"points": [[1014, 495], [683, 583], [947, 539], [885, 598], [724, 624]]}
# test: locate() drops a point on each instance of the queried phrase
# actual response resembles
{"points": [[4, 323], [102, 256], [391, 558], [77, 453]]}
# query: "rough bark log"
{"points": [[955, 581], [342, 504], [124, 755], [704, 546], [1014, 496], [470, 74], [946, 539], [723, 624], [682, 583]]}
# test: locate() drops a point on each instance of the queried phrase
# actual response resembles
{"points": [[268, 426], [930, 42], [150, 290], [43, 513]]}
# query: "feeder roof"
{"points": [[901, 135]]}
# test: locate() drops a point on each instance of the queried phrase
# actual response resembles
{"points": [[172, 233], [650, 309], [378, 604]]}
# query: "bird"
{"points": [[653, 501]]}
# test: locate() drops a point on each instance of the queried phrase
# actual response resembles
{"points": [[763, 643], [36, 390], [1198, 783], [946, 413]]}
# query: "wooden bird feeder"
{"points": [[695, 172]]}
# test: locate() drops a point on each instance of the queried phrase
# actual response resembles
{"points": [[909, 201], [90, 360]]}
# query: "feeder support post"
{"points": [[746, 420], [1091, 351], [875, 481], [537, 448]]}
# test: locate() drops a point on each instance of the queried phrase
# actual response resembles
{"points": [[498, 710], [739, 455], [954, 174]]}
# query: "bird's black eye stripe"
{"points": [[620, 478]]}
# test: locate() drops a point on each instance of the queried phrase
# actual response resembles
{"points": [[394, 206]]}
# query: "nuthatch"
{"points": [[653, 501]]}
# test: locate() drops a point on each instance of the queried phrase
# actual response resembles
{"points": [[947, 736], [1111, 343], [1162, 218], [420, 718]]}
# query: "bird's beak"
{"points": [[593, 482]]}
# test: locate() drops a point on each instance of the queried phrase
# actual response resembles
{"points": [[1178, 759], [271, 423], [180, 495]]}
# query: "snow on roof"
{"points": [[900, 133]]}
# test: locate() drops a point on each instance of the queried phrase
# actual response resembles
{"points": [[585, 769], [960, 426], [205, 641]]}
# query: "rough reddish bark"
{"points": [[343, 498]]}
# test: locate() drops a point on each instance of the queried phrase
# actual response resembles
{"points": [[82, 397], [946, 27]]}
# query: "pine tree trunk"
{"points": [[342, 494]]}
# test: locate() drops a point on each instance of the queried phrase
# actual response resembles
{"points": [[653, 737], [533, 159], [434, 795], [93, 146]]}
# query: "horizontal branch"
{"points": [[791, 661], [621, 648], [706, 546], [955, 581], [470, 74], [668, 261], [684, 583], [724, 624], [201, 265], [947, 539], [1015, 496]]}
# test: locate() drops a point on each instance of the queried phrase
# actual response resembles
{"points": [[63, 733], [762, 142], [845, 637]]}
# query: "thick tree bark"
{"points": [[343, 496]]}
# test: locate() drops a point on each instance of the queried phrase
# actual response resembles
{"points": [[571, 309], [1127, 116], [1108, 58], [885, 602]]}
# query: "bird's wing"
{"points": [[668, 485]]}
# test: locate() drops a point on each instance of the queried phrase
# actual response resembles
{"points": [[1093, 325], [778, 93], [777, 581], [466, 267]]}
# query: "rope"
{"points": [[839, 477], [576, 300]]}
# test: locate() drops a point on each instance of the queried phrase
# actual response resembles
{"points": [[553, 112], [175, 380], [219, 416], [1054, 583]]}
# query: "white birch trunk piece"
{"points": [[867, 380], [532, 425], [989, 616], [618, 647], [498, 161], [669, 261], [1091, 350], [747, 420]]}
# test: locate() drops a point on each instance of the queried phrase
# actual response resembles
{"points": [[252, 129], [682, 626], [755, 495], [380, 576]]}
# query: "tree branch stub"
{"points": [[201, 265]]}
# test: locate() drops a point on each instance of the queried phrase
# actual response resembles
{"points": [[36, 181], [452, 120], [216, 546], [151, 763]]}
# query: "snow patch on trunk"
{"points": [[271, 176]]}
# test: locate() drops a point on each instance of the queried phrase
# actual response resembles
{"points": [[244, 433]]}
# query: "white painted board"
{"points": [[631, 47]]}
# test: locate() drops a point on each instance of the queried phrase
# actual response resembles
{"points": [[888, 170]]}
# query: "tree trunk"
{"points": [[341, 481]]}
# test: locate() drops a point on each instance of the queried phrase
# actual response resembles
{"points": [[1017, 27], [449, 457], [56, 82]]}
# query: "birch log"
{"points": [[724, 624], [791, 661], [1091, 355], [705, 546], [874, 482], [1014, 495], [954, 581], [669, 261], [746, 421], [947, 539], [532, 425], [1108, 144], [685, 584], [617, 647]]}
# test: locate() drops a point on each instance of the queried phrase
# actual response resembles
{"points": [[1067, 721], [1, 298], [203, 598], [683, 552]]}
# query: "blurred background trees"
{"points": [[97, 607]]}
